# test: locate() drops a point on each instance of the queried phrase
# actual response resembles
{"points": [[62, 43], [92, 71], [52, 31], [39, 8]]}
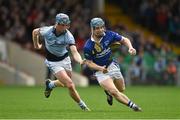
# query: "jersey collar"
{"points": [[92, 39], [57, 35]]}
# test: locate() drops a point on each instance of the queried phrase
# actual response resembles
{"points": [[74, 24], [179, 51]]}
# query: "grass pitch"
{"points": [[29, 103]]}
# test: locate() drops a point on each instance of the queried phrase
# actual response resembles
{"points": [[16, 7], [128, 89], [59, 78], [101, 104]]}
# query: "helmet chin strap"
{"points": [[101, 35], [92, 29]]}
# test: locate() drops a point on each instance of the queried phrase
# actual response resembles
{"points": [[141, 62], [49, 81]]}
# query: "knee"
{"points": [[122, 89], [70, 85], [113, 92]]}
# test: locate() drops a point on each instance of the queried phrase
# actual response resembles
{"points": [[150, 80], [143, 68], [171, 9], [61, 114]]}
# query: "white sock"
{"points": [[52, 85], [131, 104], [81, 103]]}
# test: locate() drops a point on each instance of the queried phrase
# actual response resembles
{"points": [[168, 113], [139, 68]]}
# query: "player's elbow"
{"points": [[124, 40], [35, 31]]}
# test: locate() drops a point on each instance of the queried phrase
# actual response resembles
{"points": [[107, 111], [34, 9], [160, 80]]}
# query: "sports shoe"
{"points": [[48, 90], [85, 108], [109, 98], [137, 109]]}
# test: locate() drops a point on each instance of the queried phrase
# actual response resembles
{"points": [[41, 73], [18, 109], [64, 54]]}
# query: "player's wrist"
{"points": [[102, 68], [81, 62], [132, 51]]}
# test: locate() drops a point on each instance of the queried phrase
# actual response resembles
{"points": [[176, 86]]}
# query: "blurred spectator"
{"points": [[135, 73], [160, 16], [172, 73], [174, 29], [18, 18], [159, 73]]}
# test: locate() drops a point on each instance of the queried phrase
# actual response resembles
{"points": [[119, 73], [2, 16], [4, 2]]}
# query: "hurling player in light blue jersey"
{"points": [[57, 38], [98, 57]]}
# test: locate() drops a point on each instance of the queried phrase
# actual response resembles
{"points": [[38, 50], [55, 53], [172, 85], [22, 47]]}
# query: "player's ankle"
{"points": [[52, 85]]}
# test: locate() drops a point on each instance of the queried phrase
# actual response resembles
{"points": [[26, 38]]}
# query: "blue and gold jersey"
{"points": [[100, 52]]}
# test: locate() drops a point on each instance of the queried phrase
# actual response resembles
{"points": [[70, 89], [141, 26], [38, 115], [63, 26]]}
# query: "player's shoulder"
{"points": [[69, 33], [46, 29], [110, 32], [88, 43]]}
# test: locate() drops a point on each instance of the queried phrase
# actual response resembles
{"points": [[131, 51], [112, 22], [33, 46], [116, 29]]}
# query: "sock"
{"points": [[52, 85], [81, 104], [131, 104]]}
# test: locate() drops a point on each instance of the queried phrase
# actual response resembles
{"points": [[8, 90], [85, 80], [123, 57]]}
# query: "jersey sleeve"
{"points": [[116, 37], [70, 40], [87, 54], [43, 31]]}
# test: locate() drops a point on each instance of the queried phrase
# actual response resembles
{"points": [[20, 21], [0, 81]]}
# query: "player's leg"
{"points": [[64, 77], [120, 97], [116, 74], [120, 85], [109, 86], [53, 67], [58, 83], [66, 80], [109, 97], [100, 77], [119, 82], [62, 71], [50, 85]]}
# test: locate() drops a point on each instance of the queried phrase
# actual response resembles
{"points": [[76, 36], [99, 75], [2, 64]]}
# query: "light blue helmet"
{"points": [[96, 22], [62, 18]]}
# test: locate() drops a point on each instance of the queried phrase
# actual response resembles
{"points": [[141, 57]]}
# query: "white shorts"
{"points": [[113, 72], [64, 64]]}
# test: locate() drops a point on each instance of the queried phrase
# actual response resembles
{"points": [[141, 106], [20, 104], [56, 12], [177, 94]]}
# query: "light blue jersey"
{"points": [[56, 45]]}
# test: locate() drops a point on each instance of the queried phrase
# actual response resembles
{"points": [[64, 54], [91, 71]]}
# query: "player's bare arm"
{"points": [[76, 55], [36, 38], [94, 66], [127, 43]]}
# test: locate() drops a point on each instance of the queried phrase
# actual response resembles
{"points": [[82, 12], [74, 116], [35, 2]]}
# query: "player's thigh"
{"points": [[120, 85], [63, 77], [69, 73], [108, 85]]}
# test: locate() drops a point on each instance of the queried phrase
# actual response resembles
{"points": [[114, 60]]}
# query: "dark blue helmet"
{"points": [[62, 18], [97, 22]]}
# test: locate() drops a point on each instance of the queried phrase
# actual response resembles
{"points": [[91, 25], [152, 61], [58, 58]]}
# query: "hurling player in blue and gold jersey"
{"points": [[97, 53]]}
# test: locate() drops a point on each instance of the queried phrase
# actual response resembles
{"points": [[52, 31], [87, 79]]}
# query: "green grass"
{"points": [[29, 102]]}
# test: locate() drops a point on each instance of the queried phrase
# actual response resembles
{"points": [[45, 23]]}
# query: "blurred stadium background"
{"points": [[153, 26]]}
